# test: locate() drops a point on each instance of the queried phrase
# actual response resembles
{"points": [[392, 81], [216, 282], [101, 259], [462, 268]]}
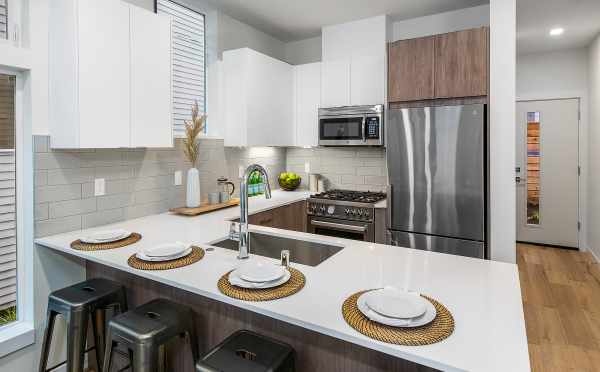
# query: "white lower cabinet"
{"points": [[110, 76], [258, 104], [307, 98]]}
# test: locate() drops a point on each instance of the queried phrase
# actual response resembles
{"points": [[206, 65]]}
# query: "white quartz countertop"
{"points": [[483, 296]]}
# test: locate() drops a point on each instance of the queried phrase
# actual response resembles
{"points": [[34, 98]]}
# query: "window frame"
{"points": [[13, 29], [205, 82], [21, 333]]}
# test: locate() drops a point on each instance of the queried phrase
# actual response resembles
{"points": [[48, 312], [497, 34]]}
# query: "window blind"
{"points": [[8, 235], [188, 61], [3, 19]]}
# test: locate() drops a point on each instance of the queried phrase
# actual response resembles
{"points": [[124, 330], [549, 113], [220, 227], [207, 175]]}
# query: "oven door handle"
{"points": [[339, 226]]}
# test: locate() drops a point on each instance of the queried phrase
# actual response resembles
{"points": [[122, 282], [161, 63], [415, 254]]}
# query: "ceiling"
{"points": [[300, 19], [535, 18]]}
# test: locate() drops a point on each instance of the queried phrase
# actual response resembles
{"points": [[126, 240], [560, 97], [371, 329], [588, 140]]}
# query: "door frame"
{"points": [[582, 152]]}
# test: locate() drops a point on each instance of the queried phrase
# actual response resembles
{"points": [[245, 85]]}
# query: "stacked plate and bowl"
{"points": [[396, 308], [106, 236], [257, 274]]}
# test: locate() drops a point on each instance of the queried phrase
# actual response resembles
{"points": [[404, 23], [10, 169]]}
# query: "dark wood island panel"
{"points": [[216, 320]]}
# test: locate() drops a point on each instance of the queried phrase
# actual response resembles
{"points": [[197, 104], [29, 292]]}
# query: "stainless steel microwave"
{"points": [[351, 126]]}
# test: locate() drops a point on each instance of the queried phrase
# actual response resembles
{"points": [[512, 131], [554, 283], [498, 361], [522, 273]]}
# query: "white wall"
{"points": [[304, 51], [555, 75], [457, 20], [502, 130], [234, 34], [594, 140]]}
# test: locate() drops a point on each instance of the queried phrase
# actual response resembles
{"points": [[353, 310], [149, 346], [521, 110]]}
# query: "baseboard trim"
{"points": [[550, 245]]}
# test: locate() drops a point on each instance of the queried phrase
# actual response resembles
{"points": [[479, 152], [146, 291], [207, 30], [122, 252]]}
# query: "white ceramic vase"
{"points": [[192, 196]]}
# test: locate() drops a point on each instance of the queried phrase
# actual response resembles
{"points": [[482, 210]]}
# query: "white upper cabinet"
{"points": [[307, 98], [258, 99], [367, 80], [335, 83], [354, 67], [150, 80], [110, 76]]}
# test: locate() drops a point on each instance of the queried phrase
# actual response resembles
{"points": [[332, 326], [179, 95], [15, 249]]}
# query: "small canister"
{"points": [[313, 181]]}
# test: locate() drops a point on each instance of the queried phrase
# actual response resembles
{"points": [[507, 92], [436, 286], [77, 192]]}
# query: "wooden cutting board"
{"points": [[204, 208]]}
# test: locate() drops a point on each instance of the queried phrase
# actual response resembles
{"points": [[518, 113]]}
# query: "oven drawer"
{"points": [[338, 228]]}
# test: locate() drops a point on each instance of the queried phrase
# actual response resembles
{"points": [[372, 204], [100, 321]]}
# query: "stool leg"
{"points": [[145, 358], [98, 328], [50, 318], [108, 351], [194, 343], [77, 323]]}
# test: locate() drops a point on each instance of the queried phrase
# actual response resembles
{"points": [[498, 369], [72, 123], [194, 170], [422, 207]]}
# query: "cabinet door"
{"points": [[290, 217], [307, 99], [411, 70], [335, 83], [461, 64], [262, 219], [269, 91], [151, 101], [103, 66], [367, 81]]}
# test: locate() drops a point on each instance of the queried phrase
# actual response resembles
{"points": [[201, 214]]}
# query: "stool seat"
{"points": [[93, 292], [246, 351], [78, 304], [146, 329]]}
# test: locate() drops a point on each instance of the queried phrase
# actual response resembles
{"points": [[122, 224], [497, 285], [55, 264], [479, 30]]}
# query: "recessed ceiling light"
{"points": [[557, 31]]}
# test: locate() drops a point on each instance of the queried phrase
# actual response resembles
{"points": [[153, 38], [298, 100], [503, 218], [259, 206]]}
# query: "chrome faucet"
{"points": [[241, 235]]}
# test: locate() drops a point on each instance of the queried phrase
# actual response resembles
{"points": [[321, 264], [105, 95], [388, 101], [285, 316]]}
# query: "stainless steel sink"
{"points": [[302, 252]]}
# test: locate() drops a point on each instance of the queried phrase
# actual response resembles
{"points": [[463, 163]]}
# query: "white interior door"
{"points": [[547, 172]]}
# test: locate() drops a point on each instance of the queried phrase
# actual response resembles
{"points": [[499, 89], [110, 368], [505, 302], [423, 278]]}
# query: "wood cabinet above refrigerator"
{"points": [[452, 65]]}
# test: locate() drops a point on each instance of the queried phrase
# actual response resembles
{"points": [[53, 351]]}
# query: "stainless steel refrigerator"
{"points": [[436, 160]]}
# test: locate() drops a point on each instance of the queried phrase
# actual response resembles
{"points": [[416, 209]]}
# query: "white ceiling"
{"points": [[535, 18], [290, 20]]}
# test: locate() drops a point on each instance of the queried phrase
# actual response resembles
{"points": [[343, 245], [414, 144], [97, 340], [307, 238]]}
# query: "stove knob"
{"points": [[322, 209], [353, 212], [360, 212], [366, 213], [347, 210], [331, 209]]}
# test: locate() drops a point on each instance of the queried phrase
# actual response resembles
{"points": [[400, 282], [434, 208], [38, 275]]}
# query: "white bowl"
{"points": [[426, 318], [106, 236], [235, 279], [393, 303], [259, 271], [166, 250]]}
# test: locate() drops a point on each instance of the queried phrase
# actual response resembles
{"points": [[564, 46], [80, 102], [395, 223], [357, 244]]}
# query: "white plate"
{"points": [[235, 279], [166, 250], [142, 256], [106, 236], [260, 271], [426, 318], [393, 303]]}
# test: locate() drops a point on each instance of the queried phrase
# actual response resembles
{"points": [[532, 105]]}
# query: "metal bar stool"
{"points": [[78, 304], [145, 330], [246, 351]]}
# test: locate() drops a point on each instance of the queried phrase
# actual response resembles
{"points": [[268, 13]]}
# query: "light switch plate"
{"points": [[178, 178], [306, 167], [241, 171], [99, 187]]}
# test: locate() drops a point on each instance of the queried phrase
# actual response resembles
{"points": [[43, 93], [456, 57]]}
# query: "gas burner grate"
{"points": [[351, 196]]}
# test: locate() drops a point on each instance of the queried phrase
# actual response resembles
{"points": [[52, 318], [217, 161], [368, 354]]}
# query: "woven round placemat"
{"points": [[439, 329], [295, 284], [196, 255], [81, 246]]}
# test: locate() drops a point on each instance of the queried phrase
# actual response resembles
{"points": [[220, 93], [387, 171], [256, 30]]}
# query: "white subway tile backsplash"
{"points": [[139, 182]]}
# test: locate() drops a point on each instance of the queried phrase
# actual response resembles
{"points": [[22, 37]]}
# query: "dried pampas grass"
{"points": [[192, 130]]}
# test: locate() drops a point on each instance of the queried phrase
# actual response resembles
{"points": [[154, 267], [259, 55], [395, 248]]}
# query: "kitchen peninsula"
{"points": [[483, 296]]}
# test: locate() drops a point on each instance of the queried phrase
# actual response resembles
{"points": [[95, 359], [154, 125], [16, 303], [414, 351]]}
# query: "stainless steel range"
{"points": [[344, 214]]}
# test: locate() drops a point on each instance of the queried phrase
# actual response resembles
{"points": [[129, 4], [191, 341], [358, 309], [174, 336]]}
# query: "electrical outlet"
{"points": [[306, 167], [99, 187], [178, 178]]}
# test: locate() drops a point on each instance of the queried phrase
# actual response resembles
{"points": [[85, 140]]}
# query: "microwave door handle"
{"points": [[364, 129]]}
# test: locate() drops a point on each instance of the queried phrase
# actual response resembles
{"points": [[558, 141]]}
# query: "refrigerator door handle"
{"points": [[388, 219]]}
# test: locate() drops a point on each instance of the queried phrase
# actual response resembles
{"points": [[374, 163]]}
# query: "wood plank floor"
{"points": [[561, 300]]}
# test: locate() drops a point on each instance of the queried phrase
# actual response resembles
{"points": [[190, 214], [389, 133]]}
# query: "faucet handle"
{"points": [[234, 231]]}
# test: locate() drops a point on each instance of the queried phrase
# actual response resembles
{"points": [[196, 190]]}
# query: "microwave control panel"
{"points": [[372, 128]]}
